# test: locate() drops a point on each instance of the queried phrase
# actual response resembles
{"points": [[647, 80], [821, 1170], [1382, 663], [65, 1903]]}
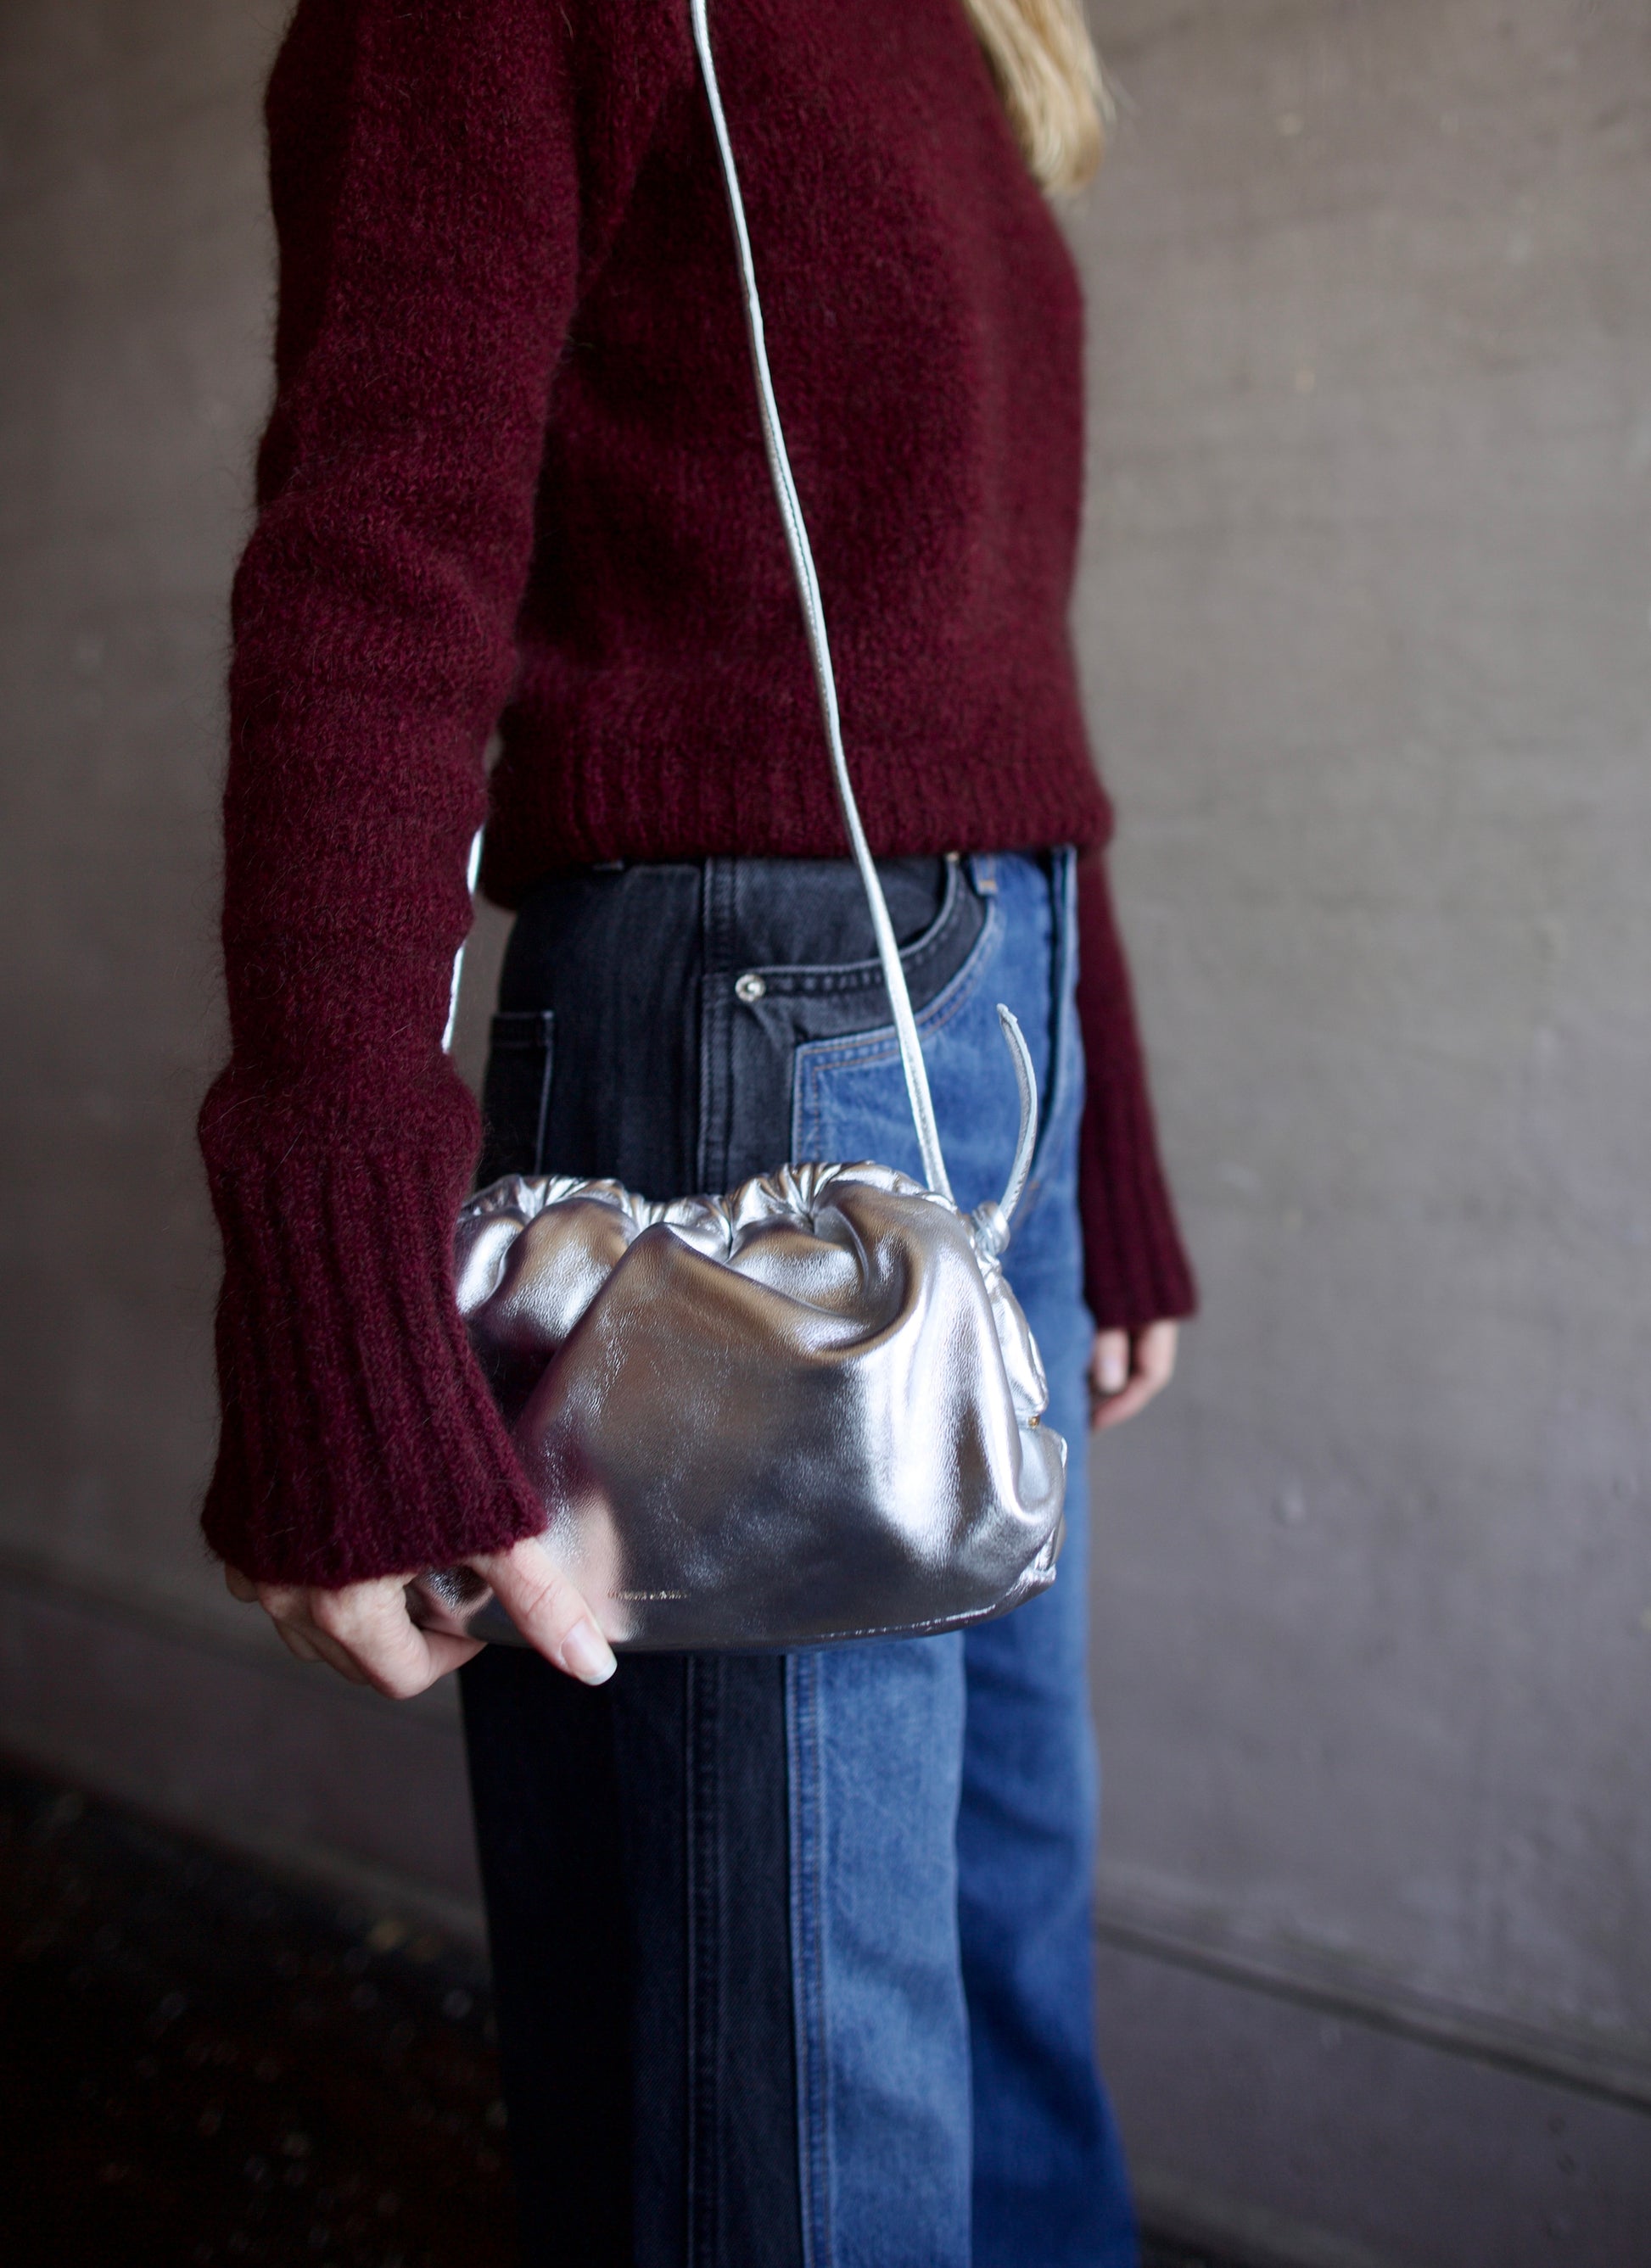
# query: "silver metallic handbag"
{"points": [[804, 1411]]}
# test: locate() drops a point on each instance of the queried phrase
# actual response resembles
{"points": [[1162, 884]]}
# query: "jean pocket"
{"points": [[516, 1093], [849, 1093]]}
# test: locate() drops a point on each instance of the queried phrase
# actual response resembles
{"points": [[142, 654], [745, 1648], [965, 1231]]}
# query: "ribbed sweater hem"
{"points": [[359, 1438]]}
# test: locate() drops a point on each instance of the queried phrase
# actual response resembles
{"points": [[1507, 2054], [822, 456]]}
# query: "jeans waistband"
{"points": [[668, 997]]}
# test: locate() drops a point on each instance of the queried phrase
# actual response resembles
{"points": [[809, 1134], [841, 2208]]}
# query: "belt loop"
{"points": [[983, 873]]}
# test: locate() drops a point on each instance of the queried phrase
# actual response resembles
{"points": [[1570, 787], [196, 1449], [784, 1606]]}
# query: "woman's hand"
{"points": [[1127, 1368], [367, 1635]]}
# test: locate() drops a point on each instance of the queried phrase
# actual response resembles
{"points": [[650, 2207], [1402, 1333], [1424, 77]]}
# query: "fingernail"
{"points": [[586, 1654], [1112, 1376]]}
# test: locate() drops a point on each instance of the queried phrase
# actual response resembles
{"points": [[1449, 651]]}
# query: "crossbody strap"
{"points": [[990, 1221], [819, 646]]}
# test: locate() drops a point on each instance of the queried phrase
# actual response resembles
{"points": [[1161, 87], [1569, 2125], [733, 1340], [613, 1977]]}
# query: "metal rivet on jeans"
{"points": [[750, 987]]}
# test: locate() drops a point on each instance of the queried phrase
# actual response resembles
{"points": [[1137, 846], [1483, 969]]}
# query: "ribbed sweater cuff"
{"points": [[358, 1437], [1136, 1270]]}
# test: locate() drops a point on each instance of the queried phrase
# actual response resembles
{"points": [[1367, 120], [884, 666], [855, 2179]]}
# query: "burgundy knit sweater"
{"points": [[513, 476]]}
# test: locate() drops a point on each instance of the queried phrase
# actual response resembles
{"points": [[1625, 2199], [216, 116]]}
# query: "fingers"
{"points": [[324, 1647], [548, 1611], [1116, 1408], [1155, 1357], [292, 1611], [363, 1631], [1151, 1365], [1109, 1365]]}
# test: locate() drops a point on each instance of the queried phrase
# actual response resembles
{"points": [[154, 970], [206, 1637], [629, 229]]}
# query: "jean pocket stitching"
{"points": [[865, 1051], [826, 980]]}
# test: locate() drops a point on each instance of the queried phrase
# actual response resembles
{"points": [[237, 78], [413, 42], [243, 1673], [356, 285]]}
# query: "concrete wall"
{"points": [[135, 258], [1366, 622], [1363, 620]]}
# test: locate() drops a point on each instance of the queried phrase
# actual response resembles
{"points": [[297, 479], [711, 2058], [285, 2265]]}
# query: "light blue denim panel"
{"points": [[884, 2087], [877, 1731], [1047, 2151]]}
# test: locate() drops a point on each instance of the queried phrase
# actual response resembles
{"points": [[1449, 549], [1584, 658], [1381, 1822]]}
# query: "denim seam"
{"points": [[866, 1049], [802, 1728], [703, 1962]]}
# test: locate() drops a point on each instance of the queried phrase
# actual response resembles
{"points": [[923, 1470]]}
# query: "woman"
{"points": [[791, 1953]]}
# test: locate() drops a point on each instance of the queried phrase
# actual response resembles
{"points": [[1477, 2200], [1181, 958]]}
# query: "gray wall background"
{"points": [[1366, 623], [1365, 620]]}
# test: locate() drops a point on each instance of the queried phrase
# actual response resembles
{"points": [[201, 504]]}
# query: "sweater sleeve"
{"points": [[424, 178], [1135, 1269]]}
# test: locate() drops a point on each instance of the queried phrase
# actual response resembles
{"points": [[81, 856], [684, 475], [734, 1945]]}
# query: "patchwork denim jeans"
{"points": [[794, 1952]]}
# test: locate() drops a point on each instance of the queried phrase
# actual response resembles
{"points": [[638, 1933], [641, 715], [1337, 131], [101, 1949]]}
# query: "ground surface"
{"points": [[199, 2063]]}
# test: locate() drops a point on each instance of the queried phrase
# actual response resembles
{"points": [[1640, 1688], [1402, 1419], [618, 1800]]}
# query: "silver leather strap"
{"points": [[818, 647], [990, 1221]]}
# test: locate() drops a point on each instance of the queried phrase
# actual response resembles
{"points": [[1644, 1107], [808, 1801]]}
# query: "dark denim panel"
{"points": [[566, 1949], [634, 1839], [614, 953], [633, 1843], [741, 2187], [516, 1093]]}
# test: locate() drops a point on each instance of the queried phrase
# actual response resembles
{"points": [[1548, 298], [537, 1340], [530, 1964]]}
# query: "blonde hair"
{"points": [[1049, 75]]}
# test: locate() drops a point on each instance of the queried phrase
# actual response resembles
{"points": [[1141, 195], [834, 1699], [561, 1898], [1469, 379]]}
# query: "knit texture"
{"points": [[347, 1384], [1135, 1269], [513, 476]]}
